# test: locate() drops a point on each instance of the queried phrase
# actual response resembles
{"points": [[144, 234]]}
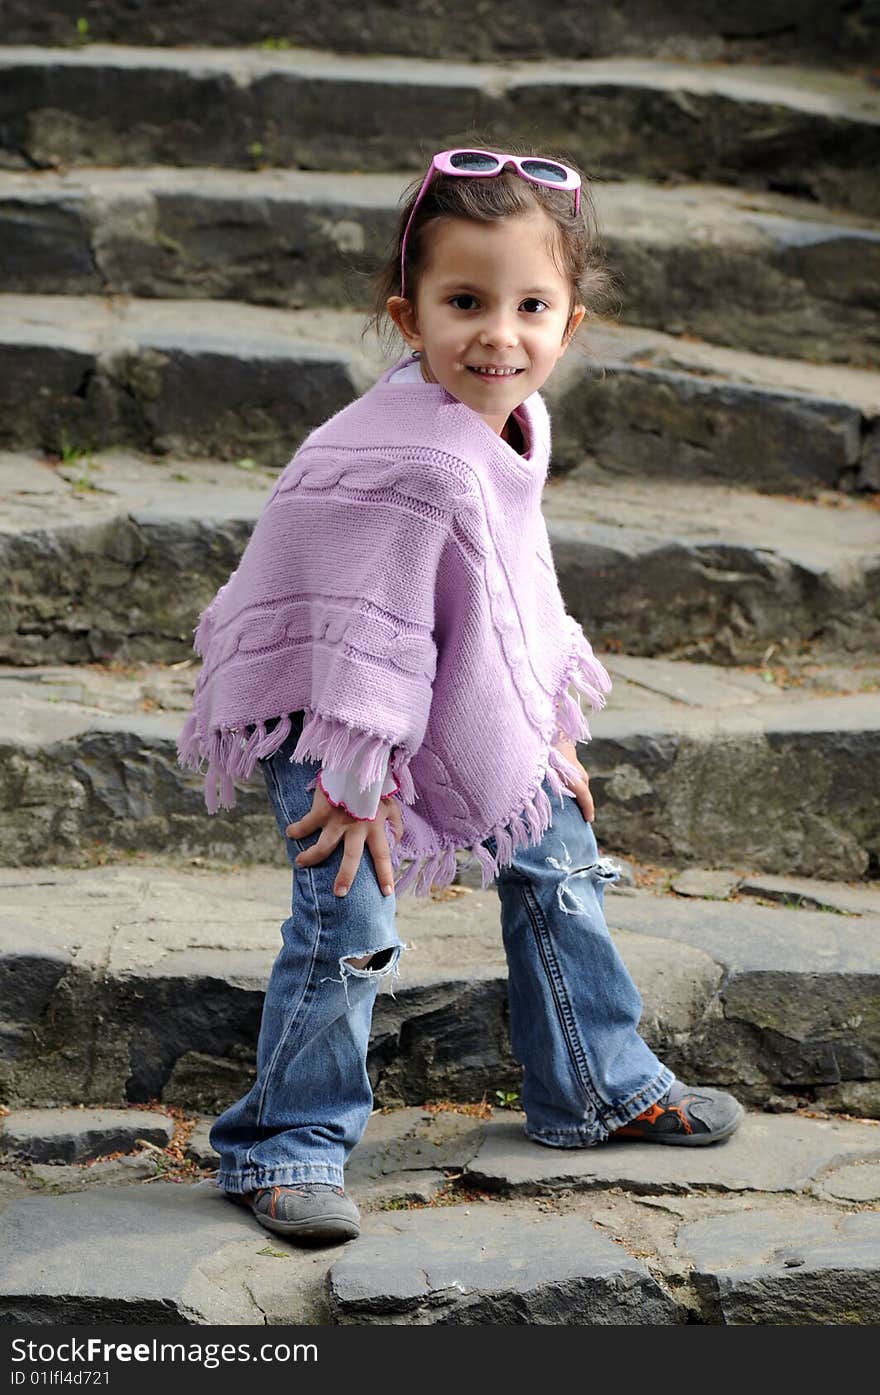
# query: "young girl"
{"points": [[393, 649]]}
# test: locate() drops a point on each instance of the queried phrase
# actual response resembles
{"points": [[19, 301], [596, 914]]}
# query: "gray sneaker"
{"points": [[686, 1115], [312, 1212]]}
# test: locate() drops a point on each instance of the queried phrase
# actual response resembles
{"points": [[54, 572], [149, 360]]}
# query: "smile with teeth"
{"points": [[494, 372]]}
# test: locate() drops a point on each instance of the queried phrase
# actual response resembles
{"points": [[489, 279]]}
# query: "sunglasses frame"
{"points": [[441, 163]]}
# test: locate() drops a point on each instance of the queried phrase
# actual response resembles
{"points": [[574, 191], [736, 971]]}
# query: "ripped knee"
{"points": [[380, 963], [380, 960]]}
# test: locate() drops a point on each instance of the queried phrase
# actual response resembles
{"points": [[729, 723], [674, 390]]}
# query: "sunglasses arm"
{"points": [[419, 196]]}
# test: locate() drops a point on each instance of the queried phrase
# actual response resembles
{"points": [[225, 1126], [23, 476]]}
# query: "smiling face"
{"points": [[491, 296]]}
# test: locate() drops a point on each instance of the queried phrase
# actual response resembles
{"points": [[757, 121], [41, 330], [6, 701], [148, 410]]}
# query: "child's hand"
{"points": [[336, 824], [580, 787]]}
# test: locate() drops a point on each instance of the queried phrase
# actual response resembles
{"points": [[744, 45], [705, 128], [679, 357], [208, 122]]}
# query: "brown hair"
{"points": [[576, 250]]}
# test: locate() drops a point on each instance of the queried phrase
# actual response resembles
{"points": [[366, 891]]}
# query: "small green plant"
{"points": [[273, 1254], [271, 43], [507, 1099], [255, 149], [247, 462], [82, 31], [70, 454], [77, 457]]}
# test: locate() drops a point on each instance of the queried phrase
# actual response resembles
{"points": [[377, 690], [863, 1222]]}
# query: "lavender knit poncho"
{"points": [[400, 590]]}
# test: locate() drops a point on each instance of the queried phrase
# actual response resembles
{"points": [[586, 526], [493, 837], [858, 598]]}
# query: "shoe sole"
{"points": [[688, 1140], [309, 1229], [328, 1228]]}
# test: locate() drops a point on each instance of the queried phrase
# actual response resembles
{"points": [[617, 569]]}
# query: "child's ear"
{"points": [[577, 315], [403, 314]]}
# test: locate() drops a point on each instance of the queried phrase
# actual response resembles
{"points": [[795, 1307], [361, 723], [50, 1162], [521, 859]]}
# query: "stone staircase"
{"points": [[186, 233]]}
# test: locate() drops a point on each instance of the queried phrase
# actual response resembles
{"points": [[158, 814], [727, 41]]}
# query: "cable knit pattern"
{"points": [[399, 589]]}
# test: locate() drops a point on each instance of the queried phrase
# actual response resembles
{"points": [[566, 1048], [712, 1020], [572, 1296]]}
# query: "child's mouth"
{"points": [[495, 373]]}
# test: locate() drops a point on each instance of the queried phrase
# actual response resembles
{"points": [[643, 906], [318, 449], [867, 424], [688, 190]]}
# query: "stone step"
{"points": [[757, 271], [84, 373], [143, 981], [689, 764], [64, 1136], [87, 372], [113, 556], [102, 104], [467, 1221], [826, 34]]}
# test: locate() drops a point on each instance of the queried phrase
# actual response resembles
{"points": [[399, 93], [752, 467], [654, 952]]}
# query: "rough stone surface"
{"points": [[811, 892], [74, 1177], [860, 1097], [123, 1254], [766, 1154], [706, 884], [436, 1247], [232, 382], [487, 1267], [331, 111], [794, 283], [77, 1135], [115, 556], [835, 33], [712, 573], [781, 781], [857, 1182], [198, 1147], [757, 1268], [160, 957]]}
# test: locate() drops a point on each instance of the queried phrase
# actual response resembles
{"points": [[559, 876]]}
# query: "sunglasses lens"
{"points": [[543, 169], [473, 160]]}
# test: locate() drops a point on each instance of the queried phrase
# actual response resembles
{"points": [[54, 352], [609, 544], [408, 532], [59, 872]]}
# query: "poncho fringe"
{"points": [[233, 756]]}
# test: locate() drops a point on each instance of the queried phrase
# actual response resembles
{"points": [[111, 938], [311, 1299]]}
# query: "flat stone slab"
{"points": [[437, 1246], [847, 898], [305, 234], [115, 105], [121, 1254], [147, 375], [705, 883], [811, 892], [853, 1182], [113, 555], [143, 374], [78, 1135], [758, 1267], [56, 1178], [766, 1154], [149, 957], [627, 28], [485, 1266], [781, 780]]}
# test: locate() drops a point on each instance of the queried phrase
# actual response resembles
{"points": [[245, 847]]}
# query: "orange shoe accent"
{"points": [[651, 1115]]}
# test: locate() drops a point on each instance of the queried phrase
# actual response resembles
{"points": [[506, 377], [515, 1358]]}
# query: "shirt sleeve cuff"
{"points": [[342, 790]]}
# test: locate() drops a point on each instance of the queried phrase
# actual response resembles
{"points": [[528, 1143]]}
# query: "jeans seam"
{"points": [[303, 998], [560, 997]]}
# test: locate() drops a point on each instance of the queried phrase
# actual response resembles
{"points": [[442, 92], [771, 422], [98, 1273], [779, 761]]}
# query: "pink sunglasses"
{"points": [[483, 164]]}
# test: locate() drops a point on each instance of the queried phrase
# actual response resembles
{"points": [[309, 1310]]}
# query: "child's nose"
{"points": [[500, 329]]}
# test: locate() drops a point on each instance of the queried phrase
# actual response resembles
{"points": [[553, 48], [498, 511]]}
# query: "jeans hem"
{"points": [[598, 1130], [293, 1174]]}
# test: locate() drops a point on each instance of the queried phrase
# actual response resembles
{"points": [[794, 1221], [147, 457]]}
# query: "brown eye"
{"points": [[465, 295]]}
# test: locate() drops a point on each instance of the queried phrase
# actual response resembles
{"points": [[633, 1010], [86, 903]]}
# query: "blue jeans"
{"points": [[574, 1010]]}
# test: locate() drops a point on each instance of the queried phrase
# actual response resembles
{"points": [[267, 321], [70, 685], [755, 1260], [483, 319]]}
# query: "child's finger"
{"points": [[320, 851]]}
